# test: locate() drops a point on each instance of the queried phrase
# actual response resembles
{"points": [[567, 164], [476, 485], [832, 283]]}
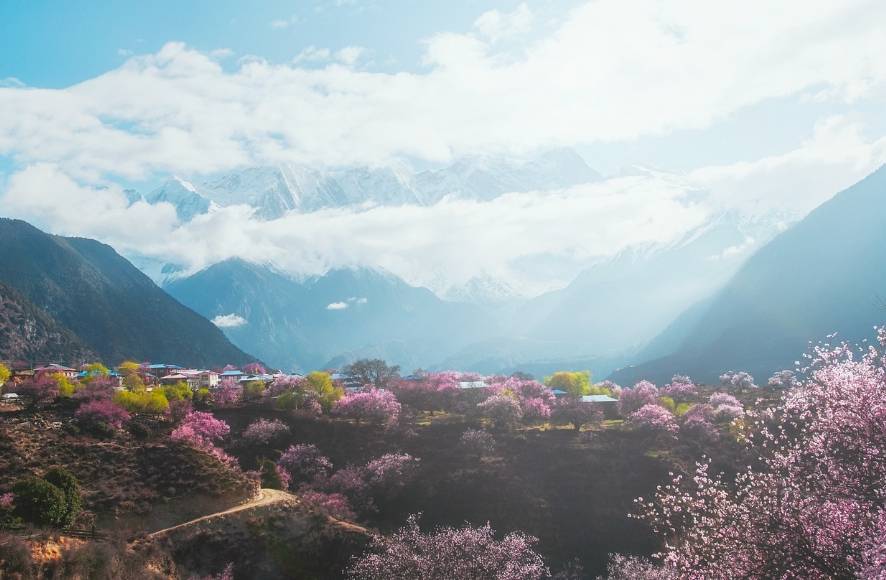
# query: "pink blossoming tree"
{"points": [[643, 393], [465, 553], [376, 406], [654, 419], [814, 506]]}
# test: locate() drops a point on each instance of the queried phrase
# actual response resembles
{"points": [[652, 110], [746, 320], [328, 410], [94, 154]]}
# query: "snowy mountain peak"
{"points": [[275, 190]]}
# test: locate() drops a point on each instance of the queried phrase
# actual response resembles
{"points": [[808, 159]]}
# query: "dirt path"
{"points": [[265, 497]]}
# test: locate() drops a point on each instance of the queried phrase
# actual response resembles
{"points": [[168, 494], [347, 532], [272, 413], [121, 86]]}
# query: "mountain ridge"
{"points": [[115, 309]]}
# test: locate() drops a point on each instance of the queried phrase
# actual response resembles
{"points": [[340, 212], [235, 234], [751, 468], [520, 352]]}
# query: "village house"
{"points": [[68, 372]]}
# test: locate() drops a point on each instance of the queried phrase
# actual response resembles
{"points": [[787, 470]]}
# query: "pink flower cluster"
{"points": [[374, 406], [641, 394], [654, 418], [202, 430], [783, 380], [102, 412], [6, 500], [503, 409], [535, 399], [816, 505], [725, 406], [456, 553], [263, 431], [227, 394], [333, 504], [305, 463], [739, 380], [391, 470], [681, 388]]}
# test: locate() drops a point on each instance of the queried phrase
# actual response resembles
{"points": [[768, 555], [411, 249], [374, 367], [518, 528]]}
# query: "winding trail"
{"points": [[264, 497]]}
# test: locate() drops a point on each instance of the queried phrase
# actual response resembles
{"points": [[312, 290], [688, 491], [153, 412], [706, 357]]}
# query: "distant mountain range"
{"points": [[324, 321], [825, 274], [606, 315], [273, 191], [76, 298]]}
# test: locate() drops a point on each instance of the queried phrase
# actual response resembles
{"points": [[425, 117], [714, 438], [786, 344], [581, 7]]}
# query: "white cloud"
{"points": [[281, 23], [496, 25], [612, 70], [834, 157], [228, 320], [349, 55], [312, 54], [337, 306], [447, 244], [221, 53]]}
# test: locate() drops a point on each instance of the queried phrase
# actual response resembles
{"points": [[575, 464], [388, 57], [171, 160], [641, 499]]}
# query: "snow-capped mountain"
{"points": [[183, 195], [273, 191], [487, 177]]}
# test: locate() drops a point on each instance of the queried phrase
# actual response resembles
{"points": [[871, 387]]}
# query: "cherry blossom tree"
{"points": [[227, 394], [643, 393], [681, 388], [654, 419], [623, 567], [202, 431], [725, 406], [536, 400], [812, 506], [101, 414], [698, 422], [305, 463], [783, 380], [503, 409], [738, 380], [255, 368], [333, 504], [465, 553], [263, 431], [373, 406], [391, 471]]}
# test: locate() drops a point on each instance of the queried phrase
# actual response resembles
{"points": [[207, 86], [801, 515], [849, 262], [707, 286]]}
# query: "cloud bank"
{"points": [[608, 71], [611, 70]]}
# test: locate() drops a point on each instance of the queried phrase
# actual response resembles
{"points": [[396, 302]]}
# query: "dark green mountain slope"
{"points": [[29, 334], [113, 308]]}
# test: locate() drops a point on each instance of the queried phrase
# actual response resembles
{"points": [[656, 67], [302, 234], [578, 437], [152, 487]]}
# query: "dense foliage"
{"points": [[465, 553], [814, 505]]}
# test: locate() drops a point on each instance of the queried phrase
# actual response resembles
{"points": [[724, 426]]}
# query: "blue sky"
{"points": [[766, 112], [55, 44]]}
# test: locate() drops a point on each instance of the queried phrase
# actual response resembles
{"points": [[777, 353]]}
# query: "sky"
{"points": [[763, 110]]}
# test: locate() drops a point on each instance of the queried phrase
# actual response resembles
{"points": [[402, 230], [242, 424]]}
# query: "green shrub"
{"points": [[253, 390], [180, 391], [682, 408], [668, 403], [40, 502], [65, 481], [270, 478], [151, 402]]}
